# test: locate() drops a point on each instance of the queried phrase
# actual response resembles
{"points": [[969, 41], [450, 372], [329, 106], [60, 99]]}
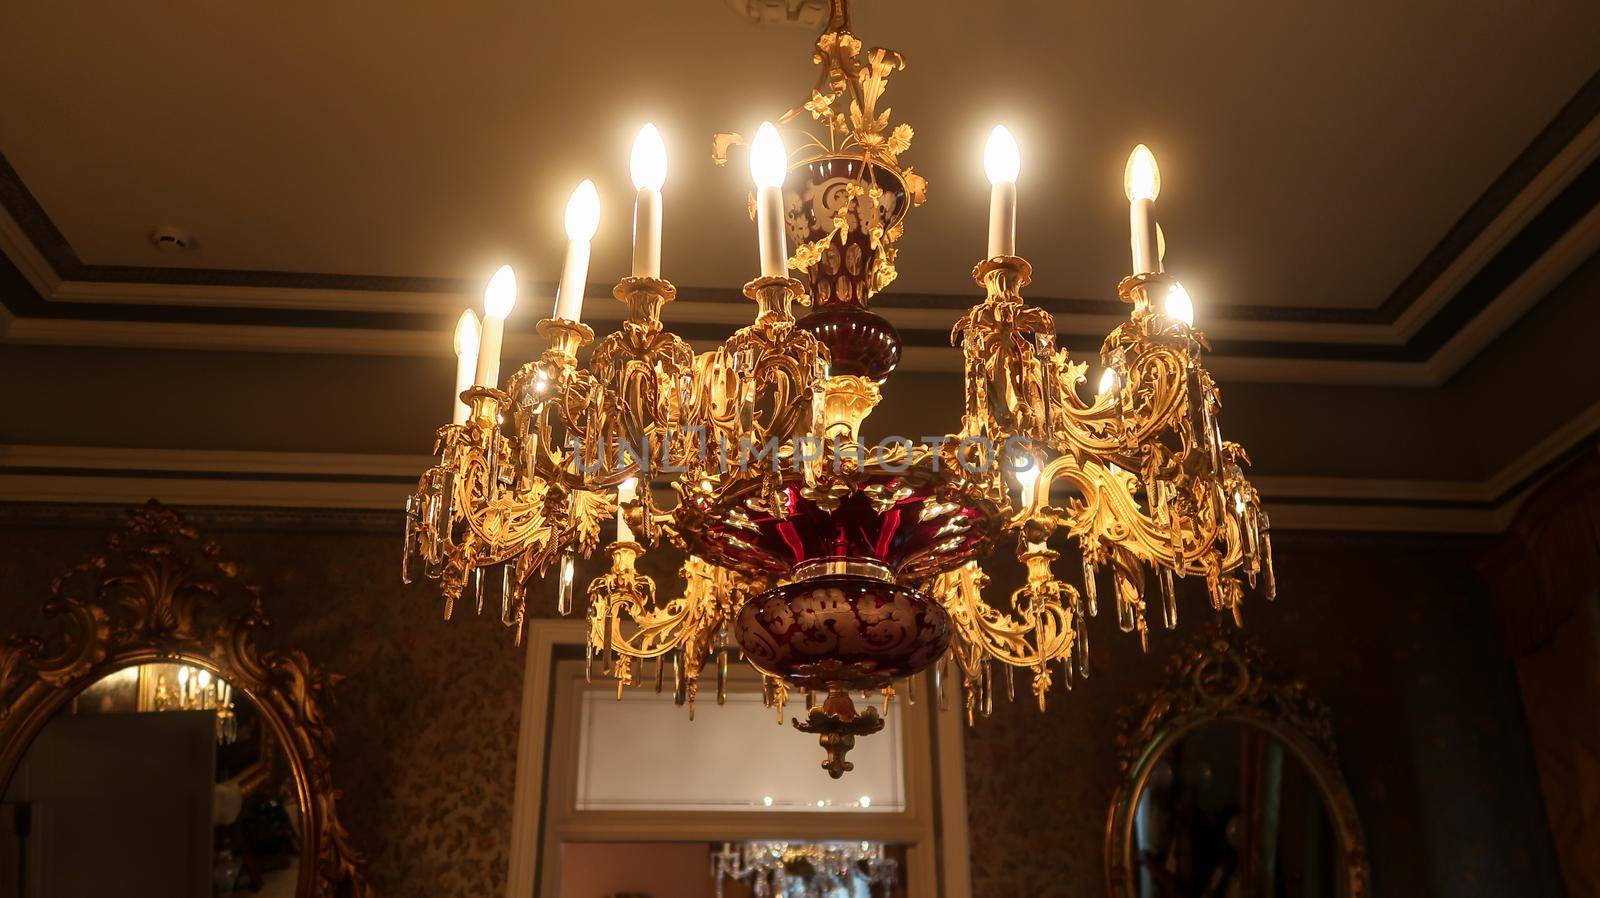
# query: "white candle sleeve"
{"points": [[769, 222], [466, 370], [647, 234], [1003, 219], [488, 374], [1142, 230], [626, 492], [569, 297]]}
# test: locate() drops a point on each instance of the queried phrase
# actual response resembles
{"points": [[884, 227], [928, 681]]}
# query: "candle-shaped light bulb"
{"points": [[583, 218], [1141, 179], [648, 164], [1025, 467], [498, 299], [627, 491], [1002, 162], [1108, 382], [769, 163], [1179, 305], [501, 294], [583, 212], [468, 334]]}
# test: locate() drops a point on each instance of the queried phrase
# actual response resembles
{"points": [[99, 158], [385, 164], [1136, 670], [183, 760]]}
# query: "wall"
{"points": [[1395, 634], [426, 722], [1392, 631]]}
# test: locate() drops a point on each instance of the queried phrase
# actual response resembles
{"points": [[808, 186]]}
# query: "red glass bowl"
{"points": [[915, 523], [842, 630]]}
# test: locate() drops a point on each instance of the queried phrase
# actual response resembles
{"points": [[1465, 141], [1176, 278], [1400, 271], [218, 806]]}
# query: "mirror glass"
{"points": [[156, 780], [1230, 810]]}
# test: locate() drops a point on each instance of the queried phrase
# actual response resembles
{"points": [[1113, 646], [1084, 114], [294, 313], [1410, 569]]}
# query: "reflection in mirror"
{"points": [[810, 869], [155, 780], [805, 869], [1231, 787], [1229, 810]]}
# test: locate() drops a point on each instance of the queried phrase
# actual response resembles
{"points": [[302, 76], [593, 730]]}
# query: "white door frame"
{"points": [[934, 825]]}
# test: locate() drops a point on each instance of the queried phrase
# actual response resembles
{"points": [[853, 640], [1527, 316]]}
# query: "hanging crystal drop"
{"points": [[941, 673], [661, 673], [564, 585], [408, 546], [477, 587], [1080, 644], [722, 677], [1010, 684], [679, 687], [1129, 592], [1269, 578], [1169, 600], [1090, 588], [506, 595]]}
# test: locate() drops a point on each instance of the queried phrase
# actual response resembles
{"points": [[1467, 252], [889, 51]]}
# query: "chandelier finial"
{"points": [[838, 16]]}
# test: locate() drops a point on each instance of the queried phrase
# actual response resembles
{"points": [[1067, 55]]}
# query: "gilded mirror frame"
{"points": [[162, 593], [1222, 675]]}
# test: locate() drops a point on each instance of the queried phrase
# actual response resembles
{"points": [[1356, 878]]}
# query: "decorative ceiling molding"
{"points": [[311, 480], [1531, 227]]}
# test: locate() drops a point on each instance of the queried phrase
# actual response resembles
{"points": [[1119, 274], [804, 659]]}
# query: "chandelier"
{"points": [[835, 565], [196, 689], [805, 869]]}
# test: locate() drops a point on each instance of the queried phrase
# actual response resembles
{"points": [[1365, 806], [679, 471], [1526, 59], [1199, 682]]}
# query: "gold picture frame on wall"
{"points": [[161, 593], [1221, 677]]}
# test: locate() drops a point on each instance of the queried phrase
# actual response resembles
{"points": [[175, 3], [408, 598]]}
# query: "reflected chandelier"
{"points": [[836, 566], [805, 869]]}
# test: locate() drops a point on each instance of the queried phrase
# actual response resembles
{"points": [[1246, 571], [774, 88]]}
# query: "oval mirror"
{"points": [[155, 779], [1232, 786], [149, 746]]}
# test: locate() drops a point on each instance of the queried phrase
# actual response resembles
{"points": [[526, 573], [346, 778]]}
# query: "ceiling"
{"points": [[1361, 195]]}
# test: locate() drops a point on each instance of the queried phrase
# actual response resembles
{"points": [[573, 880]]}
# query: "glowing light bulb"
{"points": [[467, 335], [501, 294], [1141, 180], [583, 212], [1108, 382], [769, 161], [866, 802], [766, 800], [648, 164], [205, 678], [183, 675], [1178, 305], [1001, 159]]}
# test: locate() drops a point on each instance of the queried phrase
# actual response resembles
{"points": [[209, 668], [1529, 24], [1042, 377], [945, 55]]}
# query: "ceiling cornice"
{"points": [[72, 475], [1531, 228]]}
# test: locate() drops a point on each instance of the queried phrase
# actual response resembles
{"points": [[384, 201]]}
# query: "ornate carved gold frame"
{"points": [[1223, 675], [161, 592]]}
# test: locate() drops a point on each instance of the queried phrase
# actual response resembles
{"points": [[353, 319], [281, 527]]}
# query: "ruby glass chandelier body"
{"points": [[836, 566]]}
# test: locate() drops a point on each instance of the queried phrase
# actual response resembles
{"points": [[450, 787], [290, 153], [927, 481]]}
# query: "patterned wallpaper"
{"points": [[1392, 631]]}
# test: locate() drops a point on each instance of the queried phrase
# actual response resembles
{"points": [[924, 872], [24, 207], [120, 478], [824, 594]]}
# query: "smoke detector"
{"points": [[805, 13], [170, 239]]}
